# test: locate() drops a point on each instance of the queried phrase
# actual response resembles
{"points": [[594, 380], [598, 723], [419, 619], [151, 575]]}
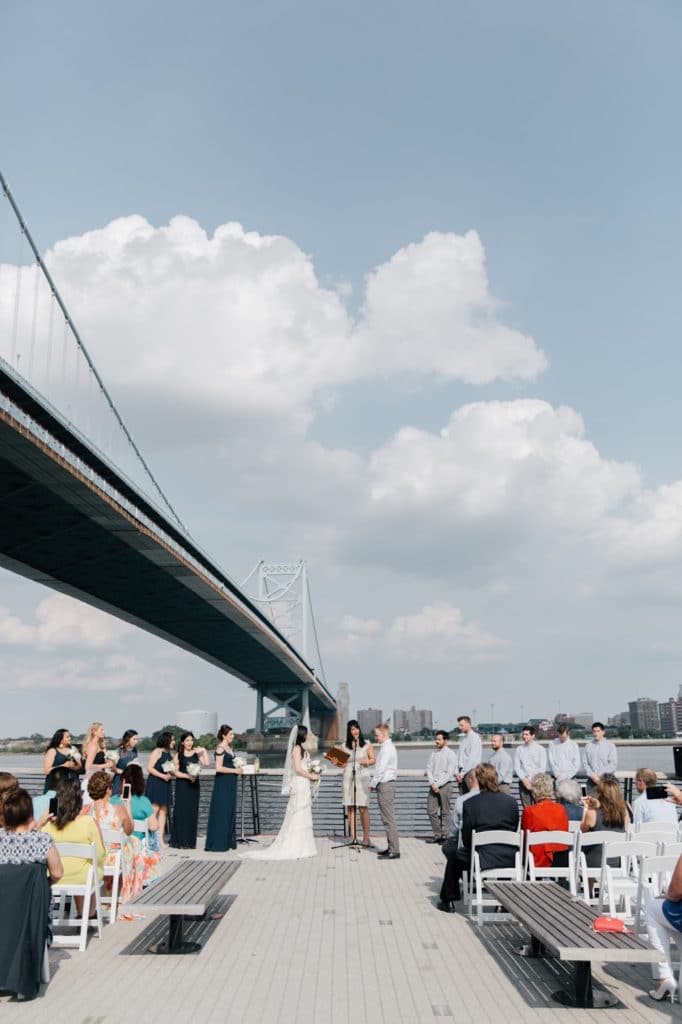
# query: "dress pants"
{"points": [[458, 861], [526, 795], [386, 801], [441, 824]]}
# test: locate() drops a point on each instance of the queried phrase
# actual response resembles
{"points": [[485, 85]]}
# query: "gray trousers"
{"points": [[441, 823], [525, 795], [386, 801]]}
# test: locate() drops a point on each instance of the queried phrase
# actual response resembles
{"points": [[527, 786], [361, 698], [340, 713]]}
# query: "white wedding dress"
{"points": [[295, 838]]}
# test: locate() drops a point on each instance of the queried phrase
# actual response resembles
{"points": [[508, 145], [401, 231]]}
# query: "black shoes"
{"points": [[447, 906], [387, 855], [432, 839]]}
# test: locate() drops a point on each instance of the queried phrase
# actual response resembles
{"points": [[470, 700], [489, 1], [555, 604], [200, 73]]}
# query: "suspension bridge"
{"points": [[82, 512]]}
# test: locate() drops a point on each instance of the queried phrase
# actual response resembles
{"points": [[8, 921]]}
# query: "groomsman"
{"points": [[563, 755], [439, 771], [470, 751], [502, 763], [383, 781], [529, 759], [599, 757]]}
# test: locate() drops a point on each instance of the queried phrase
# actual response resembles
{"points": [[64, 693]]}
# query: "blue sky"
{"points": [[354, 131]]}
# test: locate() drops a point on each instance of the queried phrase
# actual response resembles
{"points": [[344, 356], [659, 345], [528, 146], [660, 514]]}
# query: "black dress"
{"points": [[160, 793], [57, 772], [186, 811], [221, 834]]}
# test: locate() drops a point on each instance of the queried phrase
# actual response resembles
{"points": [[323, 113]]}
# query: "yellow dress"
{"points": [[81, 830]]}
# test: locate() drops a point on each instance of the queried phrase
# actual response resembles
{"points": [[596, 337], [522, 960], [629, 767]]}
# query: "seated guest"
{"points": [[544, 815], [605, 812], [663, 921], [26, 858], [71, 826], [644, 809], [21, 842], [8, 783], [489, 811], [471, 783], [141, 810], [568, 795]]}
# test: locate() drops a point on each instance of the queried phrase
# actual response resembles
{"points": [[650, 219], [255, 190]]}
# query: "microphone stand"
{"points": [[353, 844]]}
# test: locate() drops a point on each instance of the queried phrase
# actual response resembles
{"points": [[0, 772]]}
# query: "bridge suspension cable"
{"points": [[12, 308]]}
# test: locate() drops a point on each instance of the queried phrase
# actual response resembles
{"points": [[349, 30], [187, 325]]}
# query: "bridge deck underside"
{"points": [[63, 532]]}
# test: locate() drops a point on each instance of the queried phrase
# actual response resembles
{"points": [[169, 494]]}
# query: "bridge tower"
{"points": [[281, 591]]}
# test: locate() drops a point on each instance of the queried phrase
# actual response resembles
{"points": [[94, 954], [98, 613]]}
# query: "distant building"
{"points": [[584, 718], [670, 714], [368, 718], [622, 718], [644, 714], [198, 722], [342, 710], [412, 721]]}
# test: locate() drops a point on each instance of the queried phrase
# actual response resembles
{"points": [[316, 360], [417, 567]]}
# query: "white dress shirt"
{"points": [[529, 759], [564, 758], [470, 752], [386, 767], [441, 767]]}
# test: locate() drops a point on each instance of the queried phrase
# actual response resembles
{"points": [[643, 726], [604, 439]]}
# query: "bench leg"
{"points": [[176, 946], [583, 995]]}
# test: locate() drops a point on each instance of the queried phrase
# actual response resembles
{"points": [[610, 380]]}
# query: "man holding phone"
{"points": [[652, 804]]}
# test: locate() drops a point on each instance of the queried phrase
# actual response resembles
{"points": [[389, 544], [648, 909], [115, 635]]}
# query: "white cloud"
{"points": [[238, 327], [437, 633], [62, 621]]}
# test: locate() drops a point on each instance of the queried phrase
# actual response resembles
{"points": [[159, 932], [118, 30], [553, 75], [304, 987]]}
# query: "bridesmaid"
{"points": [[221, 834], [127, 752], [159, 788], [186, 810], [59, 760], [94, 750]]}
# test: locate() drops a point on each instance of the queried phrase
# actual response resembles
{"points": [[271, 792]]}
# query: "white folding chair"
{"points": [[113, 840], [618, 883], [663, 827], [63, 917], [654, 876], [588, 876], [477, 877], [554, 871], [672, 849]]}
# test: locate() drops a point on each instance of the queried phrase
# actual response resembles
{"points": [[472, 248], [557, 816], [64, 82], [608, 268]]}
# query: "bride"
{"points": [[295, 838]]}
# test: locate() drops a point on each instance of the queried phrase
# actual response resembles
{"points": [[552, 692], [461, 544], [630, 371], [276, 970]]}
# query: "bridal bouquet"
{"points": [[168, 767], [113, 756], [316, 767], [193, 770]]}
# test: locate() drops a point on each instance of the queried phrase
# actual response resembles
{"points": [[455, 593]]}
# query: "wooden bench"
{"points": [[563, 927], [186, 890]]}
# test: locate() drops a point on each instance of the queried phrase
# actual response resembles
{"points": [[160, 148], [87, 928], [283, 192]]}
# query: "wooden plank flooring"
{"points": [[342, 938]]}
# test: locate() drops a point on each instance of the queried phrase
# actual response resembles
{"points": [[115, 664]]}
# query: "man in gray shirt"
{"points": [[563, 755], [502, 763], [470, 751], [440, 770], [529, 759], [599, 757], [458, 809]]}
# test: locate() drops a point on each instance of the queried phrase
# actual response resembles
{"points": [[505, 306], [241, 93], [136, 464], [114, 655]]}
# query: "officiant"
{"points": [[356, 776]]}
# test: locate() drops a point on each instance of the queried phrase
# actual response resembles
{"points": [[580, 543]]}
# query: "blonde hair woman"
{"points": [[94, 749]]}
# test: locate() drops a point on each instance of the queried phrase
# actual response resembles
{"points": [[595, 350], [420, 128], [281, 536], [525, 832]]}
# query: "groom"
{"points": [[385, 773]]}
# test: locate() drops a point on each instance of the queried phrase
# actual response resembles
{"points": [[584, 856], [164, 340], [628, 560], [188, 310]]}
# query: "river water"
{"points": [[631, 756]]}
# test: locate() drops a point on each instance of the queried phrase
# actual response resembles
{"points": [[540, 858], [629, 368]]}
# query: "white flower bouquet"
{"points": [[316, 766], [113, 756], [193, 770], [239, 761], [168, 767], [74, 754]]}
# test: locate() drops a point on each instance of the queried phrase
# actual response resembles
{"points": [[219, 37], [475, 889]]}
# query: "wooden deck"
{"points": [[343, 938]]}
